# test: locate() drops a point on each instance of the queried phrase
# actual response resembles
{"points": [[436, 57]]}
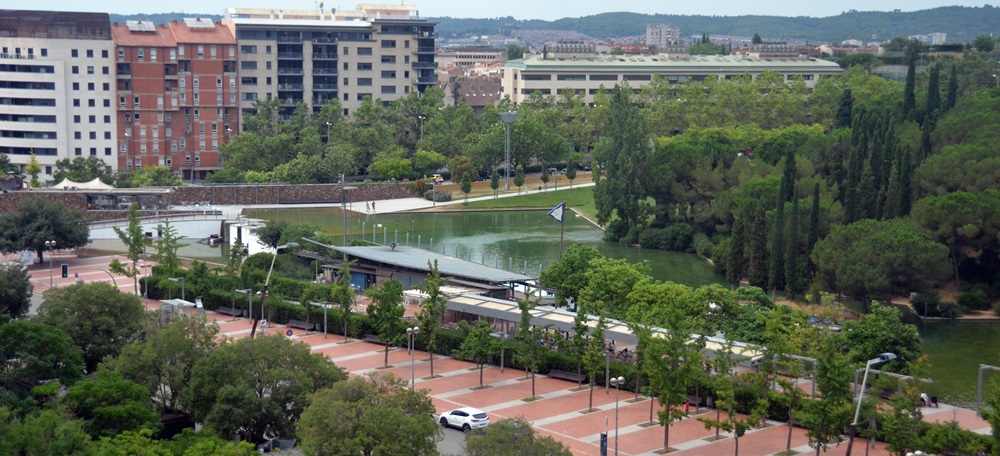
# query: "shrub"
{"points": [[677, 238], [975, 299], [631, 237], [615, 230], [440, 195], [926, 304], [702, 245], [951, 310]]}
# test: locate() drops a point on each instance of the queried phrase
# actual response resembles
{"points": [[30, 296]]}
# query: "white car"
{"points": [[465, 418]]}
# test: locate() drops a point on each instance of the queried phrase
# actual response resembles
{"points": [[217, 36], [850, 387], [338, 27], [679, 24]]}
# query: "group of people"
{"points": [[370, 207]]}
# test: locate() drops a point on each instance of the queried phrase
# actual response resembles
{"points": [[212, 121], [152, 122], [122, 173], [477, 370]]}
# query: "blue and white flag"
{"points": [[557, 212]]}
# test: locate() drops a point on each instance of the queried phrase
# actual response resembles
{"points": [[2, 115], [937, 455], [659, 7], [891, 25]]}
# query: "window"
{"points": [[195, 82], [388, 44], [362, 96], [141, 54], [121, 148], [121, 101], [76, 86], [79, 151], [107, 151], [93, 135], [267, 65], [345, 96], [197, 114], [173, 55], [107, 103], [388, 75], [159, 101], [267, 49], [406, 44], [365, 82], [388, 89], [152, 54], [74, 53], [345, 50], [77, 135], [76, 119], [201, 145], [211, 50], [218, 83], [232, 83], [106, 86], [76, 102], [92, 119], [93, 151], [388, 59], [48, 169], [248, 49], [196, 97], [107, 119], [121, 54], [182, 82], [347, 81], [245, 65], [136, 104], [201, 128], [268, 80], [45, 52], [201, 50], [364, 67], [218, 98], [104, 53], [76, 69], [364, 51], [248, 81], [128, 117], [406, 59], [232, 97], [90, 69], [105, 70], [346, 67], [90, 86], [92, 103], [90, 53], [107, 135], [215, 128], [156, 132], [137, 117]]}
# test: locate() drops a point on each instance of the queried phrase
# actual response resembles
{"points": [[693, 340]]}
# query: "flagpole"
{"points": [[562, 231]]}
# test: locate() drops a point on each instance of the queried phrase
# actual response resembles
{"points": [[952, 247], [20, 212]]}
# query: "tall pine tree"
{"points": [[813, 235], [934, 92], [952, 97], [736, 262], [757, 268], [909, 94], [776, 271], [792, 250], [844, 110], [905, 182], [867, 195]]}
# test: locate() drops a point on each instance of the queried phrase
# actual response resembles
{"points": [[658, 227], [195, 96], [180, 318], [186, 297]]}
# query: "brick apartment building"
{"points": [[177, 91]]}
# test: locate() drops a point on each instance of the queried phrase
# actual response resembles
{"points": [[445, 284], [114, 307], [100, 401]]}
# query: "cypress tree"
{"points": [[854, 171], [776, 272], [867, 195], [891, 208], [788, 178], [757, 269], [909, 96], [792, 250], [905, 182], [934, 91], [925, 141], [813, 235], [952, 96], [843, 119], [736, 263]]}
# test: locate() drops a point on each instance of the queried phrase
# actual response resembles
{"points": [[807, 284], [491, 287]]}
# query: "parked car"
{"points": [[465, 418], [437, 178]]}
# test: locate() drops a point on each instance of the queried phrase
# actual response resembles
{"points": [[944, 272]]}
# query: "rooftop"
{"points": [[414, 258], [54, 25], [694, 62]]}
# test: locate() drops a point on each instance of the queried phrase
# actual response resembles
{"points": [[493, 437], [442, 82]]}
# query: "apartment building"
{"points": [[56, 87], [662, 35], [470, 56], [312, 56], [177, 90], [587, 75]]}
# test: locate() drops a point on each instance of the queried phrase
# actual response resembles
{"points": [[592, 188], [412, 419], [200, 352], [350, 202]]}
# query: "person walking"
{"points": [[368, 207], [373, 207]]}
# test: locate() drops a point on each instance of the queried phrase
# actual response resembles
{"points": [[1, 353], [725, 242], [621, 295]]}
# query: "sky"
{"points": [[519, 9]]}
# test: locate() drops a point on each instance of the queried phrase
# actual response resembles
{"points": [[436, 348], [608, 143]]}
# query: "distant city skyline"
{"points": [[519, 9]]}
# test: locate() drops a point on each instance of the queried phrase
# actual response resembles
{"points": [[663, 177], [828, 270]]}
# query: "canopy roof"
{"points": [[95, 184]]}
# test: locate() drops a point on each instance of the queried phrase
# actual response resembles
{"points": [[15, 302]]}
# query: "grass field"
{"points": [[581, 199]]}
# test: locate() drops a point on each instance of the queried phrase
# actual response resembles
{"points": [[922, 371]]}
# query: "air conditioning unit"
{"points": [[415, 29]]}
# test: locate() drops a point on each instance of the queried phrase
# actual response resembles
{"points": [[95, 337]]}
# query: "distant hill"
{"points": [[962, 24]]}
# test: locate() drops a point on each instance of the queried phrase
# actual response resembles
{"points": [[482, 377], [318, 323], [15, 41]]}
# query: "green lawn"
{"points": [[581, 199]]}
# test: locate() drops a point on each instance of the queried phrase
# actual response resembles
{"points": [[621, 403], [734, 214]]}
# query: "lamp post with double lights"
{"points": [[883, 358], [410, 334], [508, 118], [181, 280], [503, 337], [617, 382], [267, 282], [51, 247]]}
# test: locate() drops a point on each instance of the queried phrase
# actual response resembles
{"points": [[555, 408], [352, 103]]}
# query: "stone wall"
{"points": [[10, 200], [288, 194]]}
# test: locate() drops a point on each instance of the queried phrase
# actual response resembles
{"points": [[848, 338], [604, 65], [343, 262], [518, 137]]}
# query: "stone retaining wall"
{"points": [[288, 194]]}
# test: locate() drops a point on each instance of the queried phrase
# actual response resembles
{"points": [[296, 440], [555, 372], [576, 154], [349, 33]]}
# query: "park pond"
{"points": [[529, 241]]}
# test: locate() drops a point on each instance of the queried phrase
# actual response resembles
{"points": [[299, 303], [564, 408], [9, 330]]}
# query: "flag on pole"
{"points": [[557, 212]]}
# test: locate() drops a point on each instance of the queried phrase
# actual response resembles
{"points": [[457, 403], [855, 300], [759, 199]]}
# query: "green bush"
{"points": [[975, 299], [676, 238], [926, 304], [702, 245], [440, 195], [615, 230]]}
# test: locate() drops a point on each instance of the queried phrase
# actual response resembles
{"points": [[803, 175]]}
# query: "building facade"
{"points": [[177, 90], [523, 77], [384, 52], [662, 35], [56, 87]]}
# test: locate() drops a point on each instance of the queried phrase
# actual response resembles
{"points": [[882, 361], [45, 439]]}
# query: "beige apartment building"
{"points": [[384, 52], [586, 76]]}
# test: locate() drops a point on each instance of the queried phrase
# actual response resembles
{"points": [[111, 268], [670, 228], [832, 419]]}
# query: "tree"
{"points": [[623, 155], [427, 162], [826, 417], [391, 164], [594, 355], [513, 437], [933, 93], [571, 165], [343, 294], [50, 431], [545, 176], [757, 268], [882, 330], [983, 43], [34, 352], [432, 309], [82, 169], [15, 289], [515, 52], [33, 169], [36, 221], [269, 235], [149, 176], [369, 416], [100, 320], [478, 346], [792, 250], [386, 312], [529, 352], [909, 96], [519, 177], [568, 275], [169, 242], [844, 110], [736, 262], [135, 244], [6, 166], [952, 97], [756, 39], [461, 165], [776, 270], [495, 182], [579, 343], [110, 405], [466, 187], [268, 379], [163, 362], [965, 223], [671, 363], [725, 398]]}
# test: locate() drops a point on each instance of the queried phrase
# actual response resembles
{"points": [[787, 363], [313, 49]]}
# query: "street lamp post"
{"points": [[249, 293], [508, 118], [51, 246], [181, 280], [410, 334], [267, 282], [145, 286], [503, 346], [617, 382], [883, 358], [325, 304]]}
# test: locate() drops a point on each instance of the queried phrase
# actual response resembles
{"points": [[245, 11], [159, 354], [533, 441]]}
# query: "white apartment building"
{"points": [[662, 35], [57, 85], [381, 51], [586, 76]]}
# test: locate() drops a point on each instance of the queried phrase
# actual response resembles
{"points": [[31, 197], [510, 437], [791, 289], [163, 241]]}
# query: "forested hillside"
{"points": [[962, 24]]}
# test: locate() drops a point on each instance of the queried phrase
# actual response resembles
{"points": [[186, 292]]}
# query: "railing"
{"points": [[290, 86], [289, 70], [289, 39], [425, 65], [332, 71], [289, 55], [425, 50], [185, 215], [324, 86], [322, 56], [425, 80]]}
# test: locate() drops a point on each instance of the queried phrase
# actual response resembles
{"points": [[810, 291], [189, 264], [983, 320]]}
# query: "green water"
{"points": [[499, 238], [955, 351]]}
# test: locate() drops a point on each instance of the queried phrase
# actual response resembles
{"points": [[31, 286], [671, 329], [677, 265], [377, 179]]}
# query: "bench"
{"points": [[301, 325], [231, 311], [571, 376], [373, 338]]}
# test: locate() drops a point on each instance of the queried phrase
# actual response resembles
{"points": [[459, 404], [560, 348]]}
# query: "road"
{"points": [[453, 443]]}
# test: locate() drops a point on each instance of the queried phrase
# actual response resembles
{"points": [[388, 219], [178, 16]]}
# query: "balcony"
{"points": [[424, 81], [297, 71], [424, 65], [290, 86], [321, 56], [290, 55], [289, 39], [430, 35], [324, 40], [426, 50], [324, 87], [290, 101], [324, 71]]}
